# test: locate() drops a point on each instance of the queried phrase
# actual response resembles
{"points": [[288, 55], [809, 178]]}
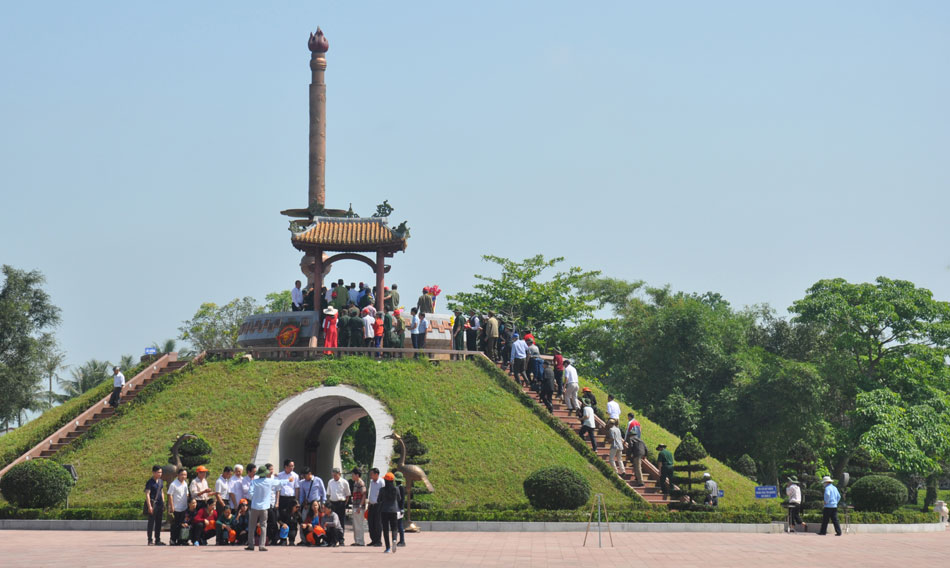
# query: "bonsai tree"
{"points": [[802, 462], [746, 466], [690, 451]]}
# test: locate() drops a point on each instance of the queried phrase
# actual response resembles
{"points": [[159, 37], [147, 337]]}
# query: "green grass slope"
{"points": [[739, 490], [482, 441]]}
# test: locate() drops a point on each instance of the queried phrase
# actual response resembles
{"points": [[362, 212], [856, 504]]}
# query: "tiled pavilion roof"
{"points": [[360, 234]]}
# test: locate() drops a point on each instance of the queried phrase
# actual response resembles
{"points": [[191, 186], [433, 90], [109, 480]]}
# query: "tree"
{"points": [[520, 295], [51, 363], [690, 450], [278, 302], [26, 312], [891, 341], [84, 377], [216, 327], [167, 346]]}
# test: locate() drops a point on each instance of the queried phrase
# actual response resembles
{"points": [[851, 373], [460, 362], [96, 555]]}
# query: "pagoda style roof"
{"points": [[359, 234]]}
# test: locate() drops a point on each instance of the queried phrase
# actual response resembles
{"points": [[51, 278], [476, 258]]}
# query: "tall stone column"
{"points": [[318, 45]]}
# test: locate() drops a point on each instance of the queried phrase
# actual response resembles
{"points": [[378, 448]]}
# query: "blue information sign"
{"points": [[722, 493], [151, 351], [766, 492]]}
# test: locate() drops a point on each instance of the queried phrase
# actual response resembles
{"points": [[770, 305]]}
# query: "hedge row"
{"points": [[520, 515], [572, 438]]}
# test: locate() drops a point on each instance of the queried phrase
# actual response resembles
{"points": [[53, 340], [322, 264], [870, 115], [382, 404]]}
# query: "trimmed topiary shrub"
{"points": [[877, 493], [746, 466], [36, 483], [556, 487], [690, 451], [194, 452]]}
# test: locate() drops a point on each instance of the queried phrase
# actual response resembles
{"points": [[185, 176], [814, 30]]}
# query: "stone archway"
{"points": [[309, 426]]}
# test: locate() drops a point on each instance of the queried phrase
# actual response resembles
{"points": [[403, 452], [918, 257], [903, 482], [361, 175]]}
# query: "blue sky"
{"points": [[748, 148]]}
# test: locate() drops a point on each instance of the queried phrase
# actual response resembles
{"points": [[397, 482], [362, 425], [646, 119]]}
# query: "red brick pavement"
{"points": [[651, 550]]}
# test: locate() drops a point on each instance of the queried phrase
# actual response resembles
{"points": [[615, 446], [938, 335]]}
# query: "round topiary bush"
{"points": [[877, 493], [194, 452], [556, 487], [36, 484]]}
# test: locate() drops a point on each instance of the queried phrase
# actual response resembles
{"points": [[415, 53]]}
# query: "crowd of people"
{"points": [[256, 507]]}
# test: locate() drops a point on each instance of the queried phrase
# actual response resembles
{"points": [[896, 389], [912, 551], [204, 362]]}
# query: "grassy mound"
{"points": [[482, 441]]}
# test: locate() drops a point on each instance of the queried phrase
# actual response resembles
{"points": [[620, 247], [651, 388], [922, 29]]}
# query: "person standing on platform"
{"points": [[343, 334], [356, 328], [118, 382], [155, 506], [399, 331], [376, 485], [330, 330], [458, 331], [491, 337], [296, 297], [423, 329], [414, 327], [236, 487], [830, 512], [368, 322], [425, 302], [389, 506], [472, 331], [338, 491]]}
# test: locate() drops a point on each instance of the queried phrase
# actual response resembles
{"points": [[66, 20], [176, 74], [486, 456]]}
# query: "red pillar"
{"points": [[380, 271], [317, 296]]}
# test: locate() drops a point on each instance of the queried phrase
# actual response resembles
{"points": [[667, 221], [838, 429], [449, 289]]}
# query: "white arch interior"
{"points": [[287, 431]]}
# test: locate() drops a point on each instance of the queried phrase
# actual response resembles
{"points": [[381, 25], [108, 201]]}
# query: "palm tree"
{"points": [[126, 362], [85, 377], [51, 363]]}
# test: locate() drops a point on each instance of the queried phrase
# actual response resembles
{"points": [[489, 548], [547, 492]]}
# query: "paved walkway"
{"points": [[652, 550]]}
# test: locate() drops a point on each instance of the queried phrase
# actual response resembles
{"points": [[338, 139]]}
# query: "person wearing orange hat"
{"points": [[389, 499], [199, 487]]}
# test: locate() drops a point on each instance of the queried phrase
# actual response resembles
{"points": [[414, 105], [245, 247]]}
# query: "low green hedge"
{"points": [[11, 512], [870, 518], [572, 438], [628, 516]]}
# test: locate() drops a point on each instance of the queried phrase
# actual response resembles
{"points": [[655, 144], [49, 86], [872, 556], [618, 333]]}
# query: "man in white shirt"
{"points": [[118, 381], [588, 425], [374, 515], [223, 487], [414, 327], [613, 408], [423, 329], [368, 321], [178, 497], [519, 353], [296, 297], [570, 386], [353, 293], [288, 492], [236, 487], [338, 491]]}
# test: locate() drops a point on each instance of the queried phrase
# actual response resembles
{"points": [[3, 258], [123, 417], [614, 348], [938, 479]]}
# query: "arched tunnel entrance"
{"points": [[309, 427]]}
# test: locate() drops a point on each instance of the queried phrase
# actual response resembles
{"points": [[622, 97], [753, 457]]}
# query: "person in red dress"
{"points": [[329, 329]]}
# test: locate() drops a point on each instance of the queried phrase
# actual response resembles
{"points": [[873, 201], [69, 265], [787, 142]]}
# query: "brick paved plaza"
{"points": [[706, 550]]}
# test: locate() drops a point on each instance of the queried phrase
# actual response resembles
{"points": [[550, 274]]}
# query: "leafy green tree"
{"points": [[522, 295], [167, 346], [278, 302], [216, 327], [890, 337], [745, 465], [26, 312]]}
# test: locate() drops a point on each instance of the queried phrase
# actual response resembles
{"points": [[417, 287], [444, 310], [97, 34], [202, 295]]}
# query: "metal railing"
{"points": [[316, 353]]}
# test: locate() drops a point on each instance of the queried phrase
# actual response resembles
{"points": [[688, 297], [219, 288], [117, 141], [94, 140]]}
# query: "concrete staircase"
{"points": [[649, 490], [100, 411]]}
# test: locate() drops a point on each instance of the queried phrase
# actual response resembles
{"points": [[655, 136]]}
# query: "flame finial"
{"points": [[318, 42]]}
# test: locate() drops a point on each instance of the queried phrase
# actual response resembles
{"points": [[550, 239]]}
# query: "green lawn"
{"points": [[482, 441], [739, 491], [942, 495]]}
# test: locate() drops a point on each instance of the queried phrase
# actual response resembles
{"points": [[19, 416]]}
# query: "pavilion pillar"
{"points": [[380, 282], [317, 296], [318, 120]]}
